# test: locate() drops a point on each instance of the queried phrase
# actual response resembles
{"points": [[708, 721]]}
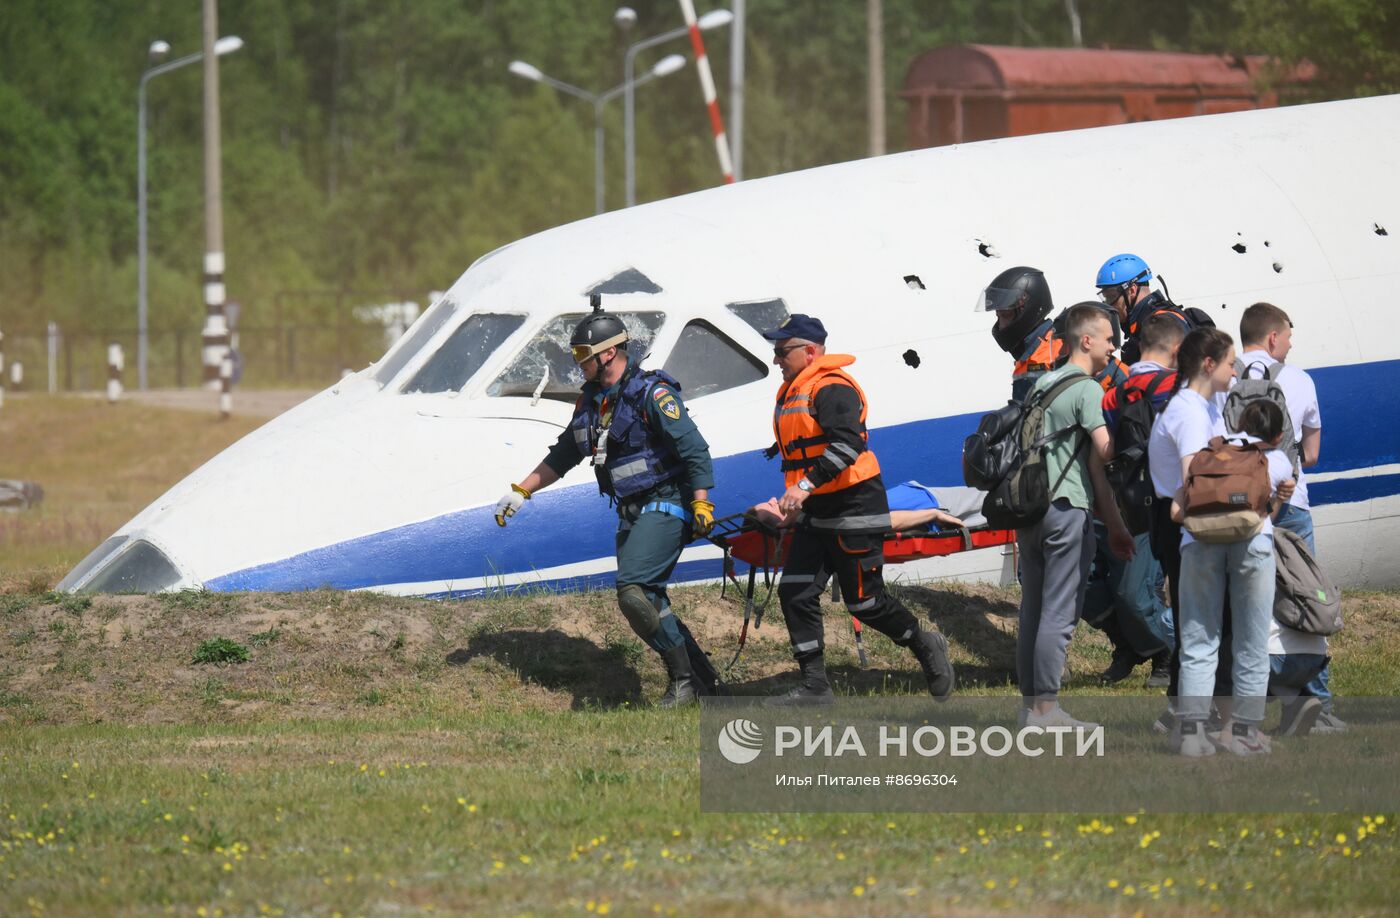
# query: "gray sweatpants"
{"points": [[1055, 556]]}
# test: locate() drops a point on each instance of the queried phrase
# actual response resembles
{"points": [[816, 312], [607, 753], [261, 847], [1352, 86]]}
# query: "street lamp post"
{"points": [[664, 67], [714, 19], [225, 45]]}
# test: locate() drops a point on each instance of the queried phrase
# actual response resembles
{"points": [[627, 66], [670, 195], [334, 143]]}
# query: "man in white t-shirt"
{"points": [[1266, 337]]}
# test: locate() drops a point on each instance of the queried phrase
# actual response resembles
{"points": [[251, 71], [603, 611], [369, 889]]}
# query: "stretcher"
{"points": [[743, 537]]}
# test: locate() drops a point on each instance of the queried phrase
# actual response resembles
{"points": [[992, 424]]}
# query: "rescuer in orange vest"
{"points": [[836, 501], [1021, 299]]}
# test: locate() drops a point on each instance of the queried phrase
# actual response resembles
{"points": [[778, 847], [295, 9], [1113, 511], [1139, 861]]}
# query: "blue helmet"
{"points": [[1123, 269]]}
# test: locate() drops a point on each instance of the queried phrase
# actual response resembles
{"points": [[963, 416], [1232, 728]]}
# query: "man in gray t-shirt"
{"points": [[1056, 552]]}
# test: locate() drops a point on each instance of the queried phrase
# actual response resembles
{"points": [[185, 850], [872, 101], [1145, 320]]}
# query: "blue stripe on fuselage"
{"points": [[573, 524]]}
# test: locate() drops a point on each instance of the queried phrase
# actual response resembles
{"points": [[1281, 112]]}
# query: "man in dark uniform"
{"points": [[648, 456], [837, 500]]}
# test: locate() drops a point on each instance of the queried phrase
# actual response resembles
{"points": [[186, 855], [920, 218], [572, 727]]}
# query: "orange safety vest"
{"points": [[801, 439], [1043, 358]]}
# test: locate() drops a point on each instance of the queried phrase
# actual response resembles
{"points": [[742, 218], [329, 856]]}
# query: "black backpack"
{"points": [[1128, 473], [1006, 458]]}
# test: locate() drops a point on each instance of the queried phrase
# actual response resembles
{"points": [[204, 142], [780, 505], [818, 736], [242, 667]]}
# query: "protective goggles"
{"points": [[583, 352]]}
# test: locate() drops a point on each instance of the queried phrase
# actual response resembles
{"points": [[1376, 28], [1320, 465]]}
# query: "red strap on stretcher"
{"points": [[899, 547]]}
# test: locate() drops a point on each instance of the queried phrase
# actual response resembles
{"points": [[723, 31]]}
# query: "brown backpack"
{"points": [[1227, 492]]}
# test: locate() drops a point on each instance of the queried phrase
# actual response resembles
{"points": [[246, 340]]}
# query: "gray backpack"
{"points": [[1305, 599], [1248, 389]]}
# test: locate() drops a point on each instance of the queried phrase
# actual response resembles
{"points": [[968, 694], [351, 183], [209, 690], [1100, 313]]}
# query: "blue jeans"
{"points": [[1246, 569], [1300, 523], [1124, 598], [1292, 674]]}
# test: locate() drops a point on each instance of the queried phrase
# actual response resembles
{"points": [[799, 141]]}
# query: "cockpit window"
{"points": [[628, 280], [142, 568], [761, 315], [428, 324], [547, 365], [463, 353], [98, 555], [704, 360]]}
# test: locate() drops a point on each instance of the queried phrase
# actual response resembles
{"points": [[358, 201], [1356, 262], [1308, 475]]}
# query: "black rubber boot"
{"points": [[813, 690], [1120, 667], [931, 650], [1161, 669], [681, 691]]}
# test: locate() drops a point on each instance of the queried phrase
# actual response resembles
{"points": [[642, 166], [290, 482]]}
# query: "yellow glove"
{"points": [[514, 499], [704, 518]]}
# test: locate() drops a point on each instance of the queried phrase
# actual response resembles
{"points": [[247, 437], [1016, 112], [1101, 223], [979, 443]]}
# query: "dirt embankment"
{"points": [[80, 659]]}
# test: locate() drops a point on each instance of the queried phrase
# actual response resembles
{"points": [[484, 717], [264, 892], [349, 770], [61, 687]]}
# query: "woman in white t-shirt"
{"points": [[1206, 365]]}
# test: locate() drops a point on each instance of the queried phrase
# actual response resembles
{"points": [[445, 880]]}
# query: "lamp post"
{"points": [[714, 19], [664, 67], [226, 45]]}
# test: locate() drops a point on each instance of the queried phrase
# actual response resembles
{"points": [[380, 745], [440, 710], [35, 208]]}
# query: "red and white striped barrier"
{"points": [[116, 362], [707, 85]]}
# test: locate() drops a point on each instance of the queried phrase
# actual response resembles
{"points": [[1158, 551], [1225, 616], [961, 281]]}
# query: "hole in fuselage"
{"points": [[1239, 247], [911, 358], [912, 282], [1380, 230]]}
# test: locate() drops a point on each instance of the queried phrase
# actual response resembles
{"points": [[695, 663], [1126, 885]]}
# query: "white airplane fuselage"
{"points": [[368, 485]]}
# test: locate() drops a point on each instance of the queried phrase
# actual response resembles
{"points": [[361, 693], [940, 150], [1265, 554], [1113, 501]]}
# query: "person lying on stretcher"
{"points": [[913, 507]]}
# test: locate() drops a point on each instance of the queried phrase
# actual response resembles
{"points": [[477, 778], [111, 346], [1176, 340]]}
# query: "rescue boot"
{"points": [[1120, 667], [1161, 669], [813, 690], [931, 650], [681, 690]]}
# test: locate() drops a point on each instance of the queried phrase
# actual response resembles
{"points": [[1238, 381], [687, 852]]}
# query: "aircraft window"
{"points": [[463, 353], [142, 568], [704, 360], [546, 358], [99, 554], [762, 315], [629, 280], [429, 324]]}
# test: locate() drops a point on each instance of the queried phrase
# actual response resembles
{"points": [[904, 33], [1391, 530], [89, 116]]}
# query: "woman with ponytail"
{"points": [[1209, 571]]}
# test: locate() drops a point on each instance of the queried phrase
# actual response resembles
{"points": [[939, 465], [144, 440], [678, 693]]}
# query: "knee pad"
{"points": [[637, 608]]}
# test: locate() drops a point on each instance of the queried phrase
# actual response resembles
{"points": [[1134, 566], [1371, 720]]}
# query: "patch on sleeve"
{"points": [[660, 392], [671, 408]]}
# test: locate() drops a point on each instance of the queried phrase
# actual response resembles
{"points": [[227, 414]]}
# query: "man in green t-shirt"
{"points": [[1056, 552]]}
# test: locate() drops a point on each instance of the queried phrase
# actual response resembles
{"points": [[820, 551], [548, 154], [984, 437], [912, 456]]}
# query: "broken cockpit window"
{"points": [[547, 366], [705, 360], [463, 353], [761, 315]]}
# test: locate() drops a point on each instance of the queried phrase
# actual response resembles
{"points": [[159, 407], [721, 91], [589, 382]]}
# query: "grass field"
{"points": [[385, 756]]}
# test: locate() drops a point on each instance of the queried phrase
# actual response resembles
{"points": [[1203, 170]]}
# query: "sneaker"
{"points": [[1189, 739], [1120, 668], [1329, 723], [1056, 717], [1164, 722], [1245, 739], [1299, 716]]}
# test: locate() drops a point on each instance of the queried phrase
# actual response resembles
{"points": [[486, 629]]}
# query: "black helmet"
{"points": [[596, 333], [1023, 290]]}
